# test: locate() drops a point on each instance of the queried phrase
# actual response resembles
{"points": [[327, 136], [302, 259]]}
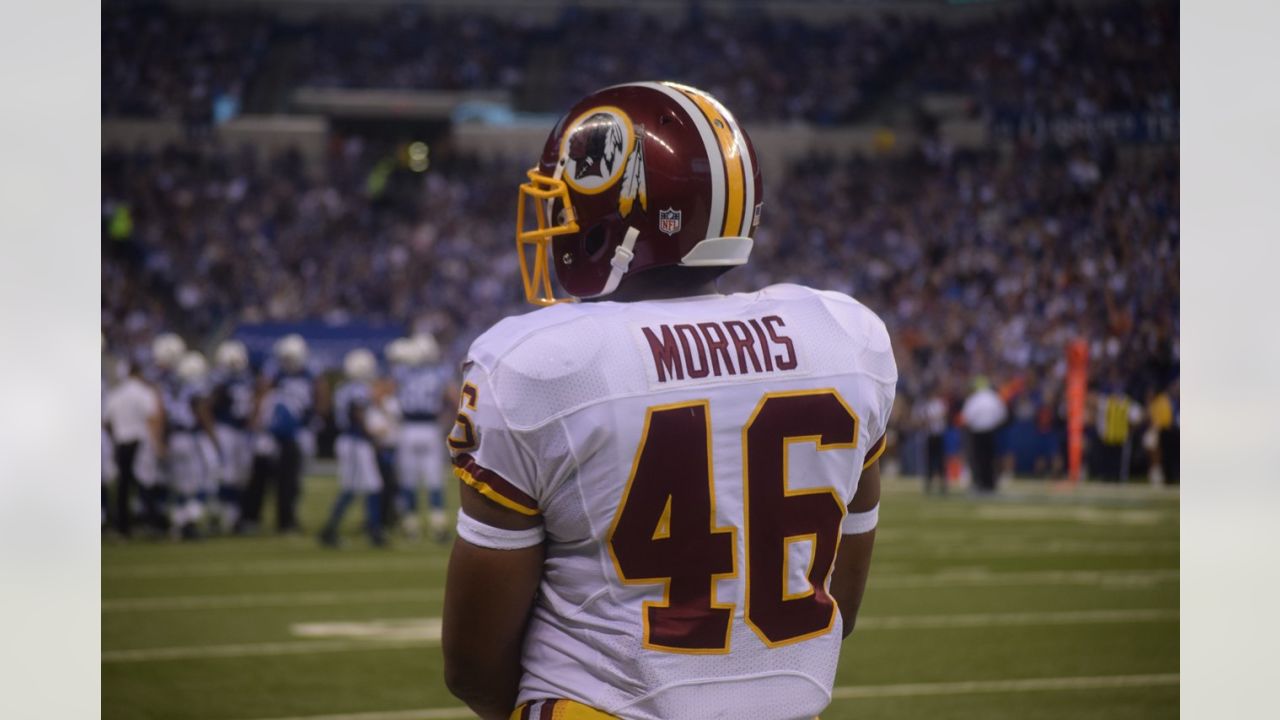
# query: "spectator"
{"points": [[1164, 421], [1117, 414], [934, 412], [133, 417], [983, 414]]}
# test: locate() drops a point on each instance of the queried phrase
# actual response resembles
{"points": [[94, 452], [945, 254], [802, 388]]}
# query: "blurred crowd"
{"points": [[984, 265], [1040, 58], [1048, 59], [198, 239], [979, 264]]}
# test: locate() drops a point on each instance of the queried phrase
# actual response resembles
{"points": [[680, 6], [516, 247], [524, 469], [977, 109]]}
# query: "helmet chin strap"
{"points": [[622, 257]]}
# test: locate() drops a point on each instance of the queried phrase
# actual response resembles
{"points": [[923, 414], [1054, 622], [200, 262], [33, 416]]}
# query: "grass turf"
{"points": [[1035, 585]]}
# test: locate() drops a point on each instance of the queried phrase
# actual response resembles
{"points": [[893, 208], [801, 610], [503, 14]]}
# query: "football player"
{"points": [[233, 396], [679, 488], [357, 463], [167, 350], [296, 393], [192, 444], [421, 382]]}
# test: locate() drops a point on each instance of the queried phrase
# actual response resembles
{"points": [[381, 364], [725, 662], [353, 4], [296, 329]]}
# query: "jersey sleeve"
{"points": [[487, 453], [872, 359], [882, 368]]}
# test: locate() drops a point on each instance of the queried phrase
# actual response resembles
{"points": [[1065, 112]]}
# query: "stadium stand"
{"points": [[981, 261], [1039, 59]]}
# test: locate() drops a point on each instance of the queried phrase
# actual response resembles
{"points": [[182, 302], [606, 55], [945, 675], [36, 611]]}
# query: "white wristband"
{"points": [[478, 533], [858, 523]]}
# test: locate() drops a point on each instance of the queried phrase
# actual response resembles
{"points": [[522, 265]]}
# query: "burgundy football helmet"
{"points": [[635, 177]]}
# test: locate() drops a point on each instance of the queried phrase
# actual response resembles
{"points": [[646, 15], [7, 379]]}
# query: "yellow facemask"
{"points": [[543, 191]]}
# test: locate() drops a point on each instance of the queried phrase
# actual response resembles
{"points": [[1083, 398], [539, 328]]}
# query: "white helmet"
{"points": [[397, 351], [424, 349], [360, 364], [291, 351], [232, 355], [192, 367], [167, 349]]}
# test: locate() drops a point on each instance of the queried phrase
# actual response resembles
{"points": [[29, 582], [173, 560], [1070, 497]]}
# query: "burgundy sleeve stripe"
{"points": [[493, 486], [877, 449], [548, 710]]}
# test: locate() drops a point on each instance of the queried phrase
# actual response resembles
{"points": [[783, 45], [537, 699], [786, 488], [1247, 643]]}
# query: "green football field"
{"points": [[1041, 603]]}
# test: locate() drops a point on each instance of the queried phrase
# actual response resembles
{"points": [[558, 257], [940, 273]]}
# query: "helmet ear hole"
{"points": [[594, 240]]}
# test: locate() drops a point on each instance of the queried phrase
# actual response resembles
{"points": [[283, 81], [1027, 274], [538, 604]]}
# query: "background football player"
{"points": [[357, 464], [421, 383], [192, 445], [679, 488], [297, 393], [233, 397]]}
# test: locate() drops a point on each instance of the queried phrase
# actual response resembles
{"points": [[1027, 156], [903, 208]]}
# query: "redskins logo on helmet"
{"points": [[595, 147], [636, 177]]}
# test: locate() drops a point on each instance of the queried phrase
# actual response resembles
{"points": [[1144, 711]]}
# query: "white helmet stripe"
{"points": [[749, 179], [715, 221]]}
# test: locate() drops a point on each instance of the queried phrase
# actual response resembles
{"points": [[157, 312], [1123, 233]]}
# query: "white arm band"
{"points": [[858, 523], [488, 536]]}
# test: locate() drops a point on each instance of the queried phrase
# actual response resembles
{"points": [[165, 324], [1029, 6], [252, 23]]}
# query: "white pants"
{"points": [[420, 456], [357, 465], [188, 473], [237, 456]]}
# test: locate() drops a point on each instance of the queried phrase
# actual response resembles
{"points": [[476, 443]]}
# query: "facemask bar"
{"points": [[542, 191]]}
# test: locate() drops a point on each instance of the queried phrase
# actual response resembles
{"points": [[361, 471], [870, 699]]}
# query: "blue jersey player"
{"points": [[233, 403], [421, 383], [357, 461]]}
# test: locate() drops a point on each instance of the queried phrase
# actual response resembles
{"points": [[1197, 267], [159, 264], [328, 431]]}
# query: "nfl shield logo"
{"points": [[669, 221]]}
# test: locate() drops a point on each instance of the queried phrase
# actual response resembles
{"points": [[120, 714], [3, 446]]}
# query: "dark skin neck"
{"points": [[665, 284]]}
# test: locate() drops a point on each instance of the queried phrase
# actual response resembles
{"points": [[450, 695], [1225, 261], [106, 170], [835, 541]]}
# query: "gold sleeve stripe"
{"points": [[735, 175], [558, 709], [874, 454], [493, 486]]}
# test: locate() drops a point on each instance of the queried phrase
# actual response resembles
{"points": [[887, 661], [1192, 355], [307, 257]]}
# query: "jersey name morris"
{"points": [[719, 348]]}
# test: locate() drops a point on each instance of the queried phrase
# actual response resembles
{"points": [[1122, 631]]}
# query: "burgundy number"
{"points": [[664, 532], [463, 436], [777, 516]]}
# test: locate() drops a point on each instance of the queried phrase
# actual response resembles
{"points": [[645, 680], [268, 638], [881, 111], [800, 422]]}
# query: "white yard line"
{"points": [[1003, 686], [854, 692], [424, 632], [267, 600], [1074, 617], [1024, 548], [969, 578], [309, 566], [949, 578], [288, 647]]}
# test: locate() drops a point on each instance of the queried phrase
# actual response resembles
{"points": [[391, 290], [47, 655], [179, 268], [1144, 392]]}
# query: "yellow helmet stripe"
{"points": [[731, 151]]}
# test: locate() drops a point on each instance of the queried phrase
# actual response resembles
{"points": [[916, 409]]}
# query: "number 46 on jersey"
{"points": [[665, 528]]}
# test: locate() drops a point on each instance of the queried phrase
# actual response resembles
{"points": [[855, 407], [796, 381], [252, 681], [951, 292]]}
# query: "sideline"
{"points": [[404, 633]]}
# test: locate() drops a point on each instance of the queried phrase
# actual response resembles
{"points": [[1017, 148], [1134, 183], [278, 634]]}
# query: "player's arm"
{"points": [[853, 561], [324, 400], [261, 387], [489, 594], [156, 424]]}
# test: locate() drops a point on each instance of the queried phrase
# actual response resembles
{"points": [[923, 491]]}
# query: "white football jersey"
{"points": [[692, 460]]}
